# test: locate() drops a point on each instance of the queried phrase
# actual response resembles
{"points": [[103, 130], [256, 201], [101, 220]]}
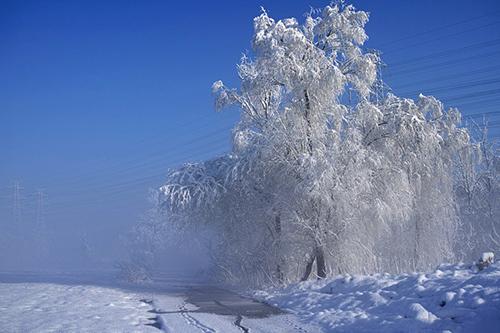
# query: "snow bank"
{"points": [[48, 307], [454, 298]]}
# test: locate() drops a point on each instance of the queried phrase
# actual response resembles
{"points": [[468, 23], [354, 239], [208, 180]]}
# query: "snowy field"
{"points": [[46, 307], [176, 306], [451, 299]]}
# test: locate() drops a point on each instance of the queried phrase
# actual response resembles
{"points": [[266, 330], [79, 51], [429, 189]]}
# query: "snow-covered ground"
{"points": [[454, 298], [451, 299], [171, 306], [48, 307]]}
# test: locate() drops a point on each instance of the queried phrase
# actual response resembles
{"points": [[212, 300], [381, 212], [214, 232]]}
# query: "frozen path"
{"points": [[210, 309], [35, 303]]}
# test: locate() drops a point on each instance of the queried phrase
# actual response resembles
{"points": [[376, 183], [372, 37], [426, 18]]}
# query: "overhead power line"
{"points": [[485, 70], [443, 64], [433, 30], [482, 114], [445, 53], [454, 87], [457, 33]]}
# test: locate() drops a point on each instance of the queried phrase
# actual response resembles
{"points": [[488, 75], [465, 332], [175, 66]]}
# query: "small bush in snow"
{"points": [[486, 259]]}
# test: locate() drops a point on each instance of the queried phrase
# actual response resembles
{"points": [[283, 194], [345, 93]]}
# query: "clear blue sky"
{"points": [[99, 98]]}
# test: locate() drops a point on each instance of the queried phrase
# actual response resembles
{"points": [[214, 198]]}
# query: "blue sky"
{"points": [[99, 98]]}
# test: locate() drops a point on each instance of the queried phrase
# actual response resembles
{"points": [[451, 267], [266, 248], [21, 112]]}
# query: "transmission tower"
{"points": [[17, 203], [40, 212], [41, 237]]}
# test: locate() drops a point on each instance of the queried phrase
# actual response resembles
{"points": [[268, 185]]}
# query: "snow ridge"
{"points": [[456, 298]]}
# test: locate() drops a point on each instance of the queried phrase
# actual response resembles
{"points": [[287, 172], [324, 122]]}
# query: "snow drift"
{"points": [[453, 298]]}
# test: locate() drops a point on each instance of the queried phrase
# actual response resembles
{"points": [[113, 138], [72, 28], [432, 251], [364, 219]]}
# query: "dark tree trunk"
{"points": [[320, 262], [308, 120], [319, 257], [277, 228], [309, 266]]}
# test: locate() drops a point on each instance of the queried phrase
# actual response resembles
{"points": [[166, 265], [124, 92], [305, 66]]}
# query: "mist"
{"points": [[36, 239]]}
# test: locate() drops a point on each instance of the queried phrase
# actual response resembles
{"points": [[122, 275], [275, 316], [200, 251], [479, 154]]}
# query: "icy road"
{"points": [[34, 303]]}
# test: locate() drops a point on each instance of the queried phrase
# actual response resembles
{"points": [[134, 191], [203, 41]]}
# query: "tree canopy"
{"points": [[329, 172]]}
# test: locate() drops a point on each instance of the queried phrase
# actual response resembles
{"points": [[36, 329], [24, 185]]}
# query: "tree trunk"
{"points": [[309, 125], [320, 262], [319, 257], [277, 229], [309, 266]]}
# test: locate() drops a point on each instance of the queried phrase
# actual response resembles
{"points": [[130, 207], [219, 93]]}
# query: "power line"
{"points": [[433, 30], [442, 64], [144, 163], [155, 158], [473, 95], [117, 164], [161, 165], [485, 70], [483, 114], [477, 103], [435, 55], [160, 171], [459, 86], [119, 188], [493, 124], [441, 37]]}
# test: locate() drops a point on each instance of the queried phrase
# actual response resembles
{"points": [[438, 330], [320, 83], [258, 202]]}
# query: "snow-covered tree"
{"points": [[477, 190], [324, 172]]}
